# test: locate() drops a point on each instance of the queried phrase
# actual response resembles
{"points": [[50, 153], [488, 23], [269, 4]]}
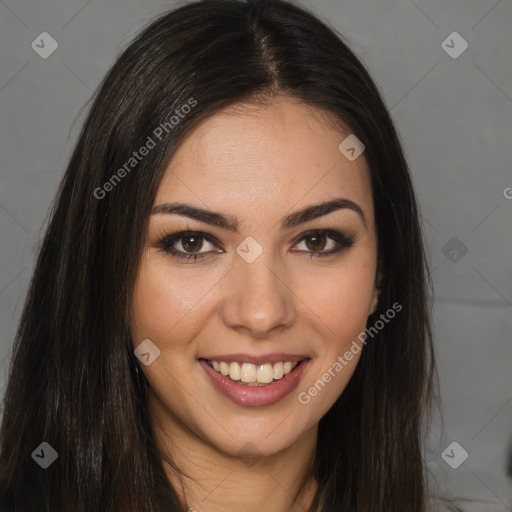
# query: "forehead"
{"points": [[269, 157]]}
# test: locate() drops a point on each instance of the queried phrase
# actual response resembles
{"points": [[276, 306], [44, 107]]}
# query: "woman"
{"points": [[229, 309]]}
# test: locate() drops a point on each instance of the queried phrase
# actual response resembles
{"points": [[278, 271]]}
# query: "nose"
{"points": [[260, 300]]}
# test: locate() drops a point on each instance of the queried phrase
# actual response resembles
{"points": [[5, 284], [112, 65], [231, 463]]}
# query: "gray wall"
{"points": [[454, 114]]}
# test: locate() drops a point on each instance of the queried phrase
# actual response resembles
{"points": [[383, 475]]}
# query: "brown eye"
{"points": [[316, 242], [325, 242], [192, 243], [188, 244]]}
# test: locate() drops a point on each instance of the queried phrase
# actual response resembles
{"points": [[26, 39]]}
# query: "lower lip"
{"points": [[256, 396]]}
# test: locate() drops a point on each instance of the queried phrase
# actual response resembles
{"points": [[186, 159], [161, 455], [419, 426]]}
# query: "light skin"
{"points": [[258, 164]]}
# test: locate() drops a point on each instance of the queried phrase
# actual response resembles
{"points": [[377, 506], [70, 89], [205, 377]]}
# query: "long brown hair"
{"points": [[73, 381]]}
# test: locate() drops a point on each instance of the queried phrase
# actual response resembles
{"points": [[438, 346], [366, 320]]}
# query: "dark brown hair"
{"points": [[73, 381]]}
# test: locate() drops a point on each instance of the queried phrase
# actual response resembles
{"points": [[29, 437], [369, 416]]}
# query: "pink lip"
{"points": [[265, 358], [255, 396]]}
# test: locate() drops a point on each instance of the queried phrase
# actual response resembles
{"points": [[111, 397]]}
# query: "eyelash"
{"points": [[166, 243]]}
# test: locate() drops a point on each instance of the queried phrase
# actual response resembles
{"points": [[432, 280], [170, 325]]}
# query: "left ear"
{"points": [[376, 292]]}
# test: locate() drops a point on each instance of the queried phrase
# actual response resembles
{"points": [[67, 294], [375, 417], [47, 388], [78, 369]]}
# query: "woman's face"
{"points": [[264, 288]]}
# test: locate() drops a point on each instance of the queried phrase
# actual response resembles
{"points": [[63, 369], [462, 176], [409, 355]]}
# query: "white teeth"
{"points": [[247, 371], [234, 371], [252, 374], [265, 373], [224, 368], [278, 370]]}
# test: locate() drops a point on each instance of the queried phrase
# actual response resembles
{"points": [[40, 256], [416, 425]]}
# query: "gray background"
{"points": [[455, 119]]}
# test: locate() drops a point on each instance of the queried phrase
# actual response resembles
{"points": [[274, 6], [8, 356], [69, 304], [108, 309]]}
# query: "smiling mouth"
{"points": [[248, 374]]}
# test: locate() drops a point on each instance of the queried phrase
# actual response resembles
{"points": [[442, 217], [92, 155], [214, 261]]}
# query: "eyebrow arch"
{"points": [[230, 222]]}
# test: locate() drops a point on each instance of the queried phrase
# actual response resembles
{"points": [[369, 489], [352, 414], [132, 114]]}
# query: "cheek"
{"points": [[341, 299], [163, 300], [341, 310], [340, 302], [152, 299], [162, 310]]}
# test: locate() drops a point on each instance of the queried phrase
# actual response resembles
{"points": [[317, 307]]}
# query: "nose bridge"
{"points": [[259, 299]]}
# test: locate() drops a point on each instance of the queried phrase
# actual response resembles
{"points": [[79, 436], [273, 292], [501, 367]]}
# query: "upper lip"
{"points": [[257, 359]]}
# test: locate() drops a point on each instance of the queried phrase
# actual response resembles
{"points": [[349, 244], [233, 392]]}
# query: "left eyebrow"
{"points": [[319, 210], [231, 223]]}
